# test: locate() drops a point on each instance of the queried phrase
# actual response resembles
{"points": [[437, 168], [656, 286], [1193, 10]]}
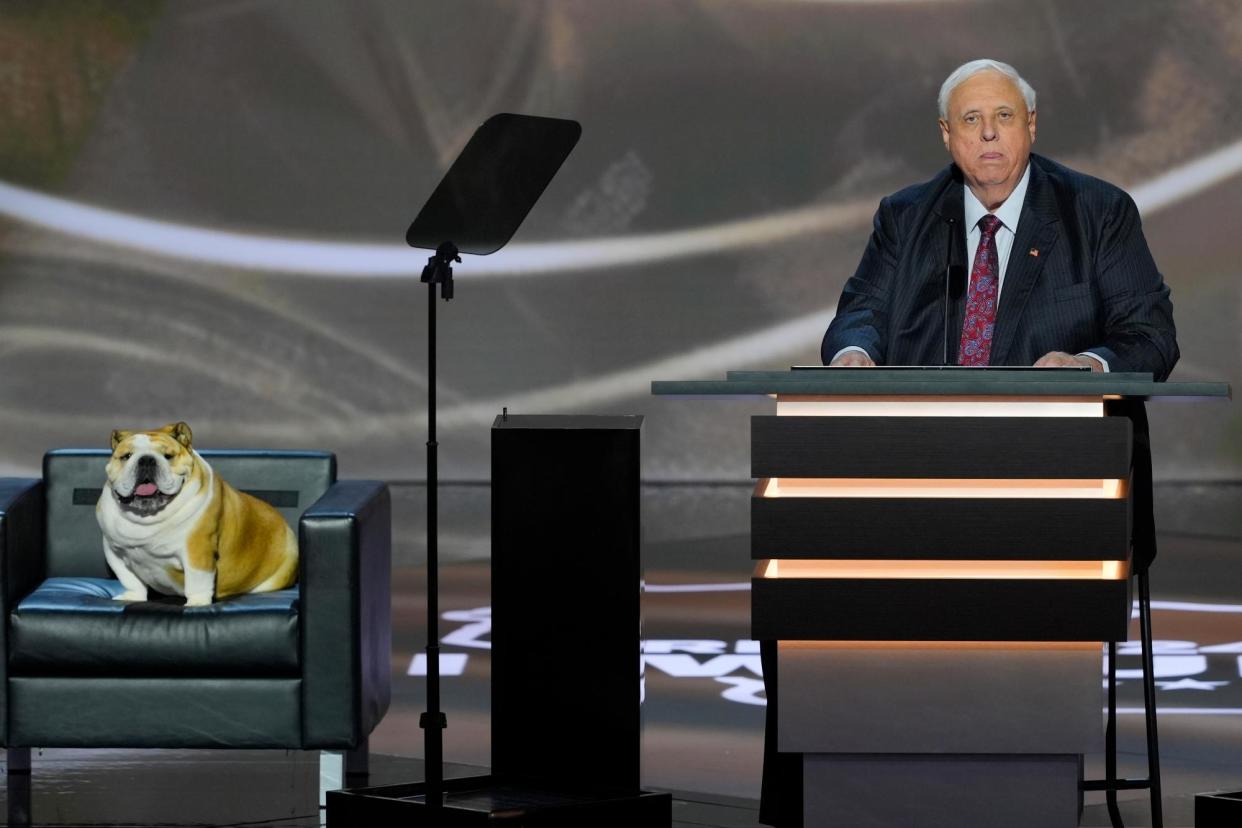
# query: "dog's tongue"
{"points": [[145, 489]]}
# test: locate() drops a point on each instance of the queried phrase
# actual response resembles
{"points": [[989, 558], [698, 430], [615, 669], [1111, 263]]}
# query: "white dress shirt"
{"points": [[1009, 212]]}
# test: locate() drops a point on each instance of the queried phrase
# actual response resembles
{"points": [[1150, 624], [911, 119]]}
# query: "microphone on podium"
{"points": [[954, 284]]}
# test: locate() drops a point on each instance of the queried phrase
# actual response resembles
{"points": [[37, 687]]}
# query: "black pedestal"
{"points": [[1218, 810], [566, 640], [566, 593]]}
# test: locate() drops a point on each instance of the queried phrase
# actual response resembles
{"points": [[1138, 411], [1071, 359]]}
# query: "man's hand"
{"points": [[1060, 359], [853, 359]]}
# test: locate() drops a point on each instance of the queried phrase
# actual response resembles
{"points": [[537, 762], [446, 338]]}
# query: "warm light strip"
{"points": [[788, 405], [1093, 646], [993, 570], [1103, 489]]}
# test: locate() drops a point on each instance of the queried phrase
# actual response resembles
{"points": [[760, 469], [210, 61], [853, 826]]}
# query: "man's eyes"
{"points": [[974, 118]]}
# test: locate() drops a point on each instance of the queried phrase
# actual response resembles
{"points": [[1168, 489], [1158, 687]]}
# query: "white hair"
{"points": [[974, 67]]}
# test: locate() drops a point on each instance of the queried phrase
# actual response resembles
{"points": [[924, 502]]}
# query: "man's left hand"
{"points": [[1060, 359]]}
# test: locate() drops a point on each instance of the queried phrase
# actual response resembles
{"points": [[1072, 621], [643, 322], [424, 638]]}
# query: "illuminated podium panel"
{"points": [[938, 583], [939, 555]]}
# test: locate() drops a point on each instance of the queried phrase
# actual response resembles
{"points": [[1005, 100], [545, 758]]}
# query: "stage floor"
{"points": [[279, 789], [704, 706], [256, 789]]}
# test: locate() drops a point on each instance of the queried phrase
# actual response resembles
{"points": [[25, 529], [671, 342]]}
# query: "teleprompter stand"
{"points": [[476, 209]]}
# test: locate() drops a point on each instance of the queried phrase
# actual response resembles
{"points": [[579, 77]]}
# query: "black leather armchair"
{"points": [[304, 668]]}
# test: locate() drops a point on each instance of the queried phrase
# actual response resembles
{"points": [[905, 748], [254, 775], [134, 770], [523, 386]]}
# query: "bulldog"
{"points": [[170, 524]]}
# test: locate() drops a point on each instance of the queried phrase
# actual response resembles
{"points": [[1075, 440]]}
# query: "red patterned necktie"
{"points": [[976, 345]]}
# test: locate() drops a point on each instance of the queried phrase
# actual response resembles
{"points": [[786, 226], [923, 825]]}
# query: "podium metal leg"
{"points": [[1111, 784], [1149, 700], [1110, 740]]}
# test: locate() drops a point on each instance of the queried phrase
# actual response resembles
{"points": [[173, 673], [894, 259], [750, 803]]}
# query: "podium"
{"points": [[939, 555]]}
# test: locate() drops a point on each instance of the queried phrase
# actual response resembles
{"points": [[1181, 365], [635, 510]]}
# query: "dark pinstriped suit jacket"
{"points": [[1092, 286]]}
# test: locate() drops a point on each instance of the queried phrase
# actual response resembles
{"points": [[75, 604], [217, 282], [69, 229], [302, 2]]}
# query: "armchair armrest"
{"points": [[21, 562], [21, 538], [345, 553]]}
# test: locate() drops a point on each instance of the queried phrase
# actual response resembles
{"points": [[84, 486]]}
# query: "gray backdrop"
{"points": [[202, 206]]}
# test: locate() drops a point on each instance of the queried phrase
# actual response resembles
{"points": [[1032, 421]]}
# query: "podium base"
{"points": [[486, 800]]}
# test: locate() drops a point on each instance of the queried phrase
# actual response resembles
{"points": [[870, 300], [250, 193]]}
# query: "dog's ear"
{"points": [[119, 436], [181, 432]]}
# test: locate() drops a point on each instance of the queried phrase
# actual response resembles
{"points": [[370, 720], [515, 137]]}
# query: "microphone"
{"points": [[948, 280]]}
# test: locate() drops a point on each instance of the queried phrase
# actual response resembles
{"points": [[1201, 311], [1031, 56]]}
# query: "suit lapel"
{"points": [[1038, 230]]}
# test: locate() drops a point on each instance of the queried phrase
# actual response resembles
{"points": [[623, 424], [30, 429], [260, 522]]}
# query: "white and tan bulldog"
{"points": [[170, 524]]}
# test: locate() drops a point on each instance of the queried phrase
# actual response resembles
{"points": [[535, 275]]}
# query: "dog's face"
{"points": [[148, 469]]}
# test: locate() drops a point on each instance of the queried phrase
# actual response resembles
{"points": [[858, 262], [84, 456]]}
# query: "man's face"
{"points": [[989, 134]]}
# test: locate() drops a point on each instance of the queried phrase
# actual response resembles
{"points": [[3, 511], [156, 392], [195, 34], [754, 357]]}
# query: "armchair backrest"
{"points": [[73, 480]]}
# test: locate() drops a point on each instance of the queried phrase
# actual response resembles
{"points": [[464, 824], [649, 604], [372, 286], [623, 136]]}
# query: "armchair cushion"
{"points": [[72, 627]]}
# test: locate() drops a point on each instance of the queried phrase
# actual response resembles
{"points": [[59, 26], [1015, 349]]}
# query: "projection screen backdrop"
{"points": [[202, 206]]}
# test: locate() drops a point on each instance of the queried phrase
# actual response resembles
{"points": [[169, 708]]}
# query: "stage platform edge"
{"points": [[487, 800]]}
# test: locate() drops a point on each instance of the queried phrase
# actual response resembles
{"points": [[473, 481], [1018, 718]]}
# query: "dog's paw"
{"points": [[131, 595], [198, 600]]}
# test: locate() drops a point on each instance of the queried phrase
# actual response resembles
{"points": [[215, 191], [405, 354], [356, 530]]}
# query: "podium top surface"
{"points": [[952, 381]]}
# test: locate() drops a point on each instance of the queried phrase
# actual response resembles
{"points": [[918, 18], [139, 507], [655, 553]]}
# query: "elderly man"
{"points": [[1059, 275], [1059, 271]]}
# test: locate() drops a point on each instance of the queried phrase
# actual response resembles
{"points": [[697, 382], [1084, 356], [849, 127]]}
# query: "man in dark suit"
{"points": [[1059, 271]]}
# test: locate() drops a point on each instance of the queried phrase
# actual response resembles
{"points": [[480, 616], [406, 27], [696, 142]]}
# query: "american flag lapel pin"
{"points": [[1035, 252]]}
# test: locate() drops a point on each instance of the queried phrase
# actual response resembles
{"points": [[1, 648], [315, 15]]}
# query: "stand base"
{"points": [[485, 800]]}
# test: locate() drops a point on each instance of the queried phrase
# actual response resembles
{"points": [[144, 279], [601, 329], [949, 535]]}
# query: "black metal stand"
{"points": [[483, 801], [439, 271], [479, 204], [1110, 783]]}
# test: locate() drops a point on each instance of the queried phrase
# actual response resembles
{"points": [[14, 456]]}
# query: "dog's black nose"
{"points": [[146, 465]]}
